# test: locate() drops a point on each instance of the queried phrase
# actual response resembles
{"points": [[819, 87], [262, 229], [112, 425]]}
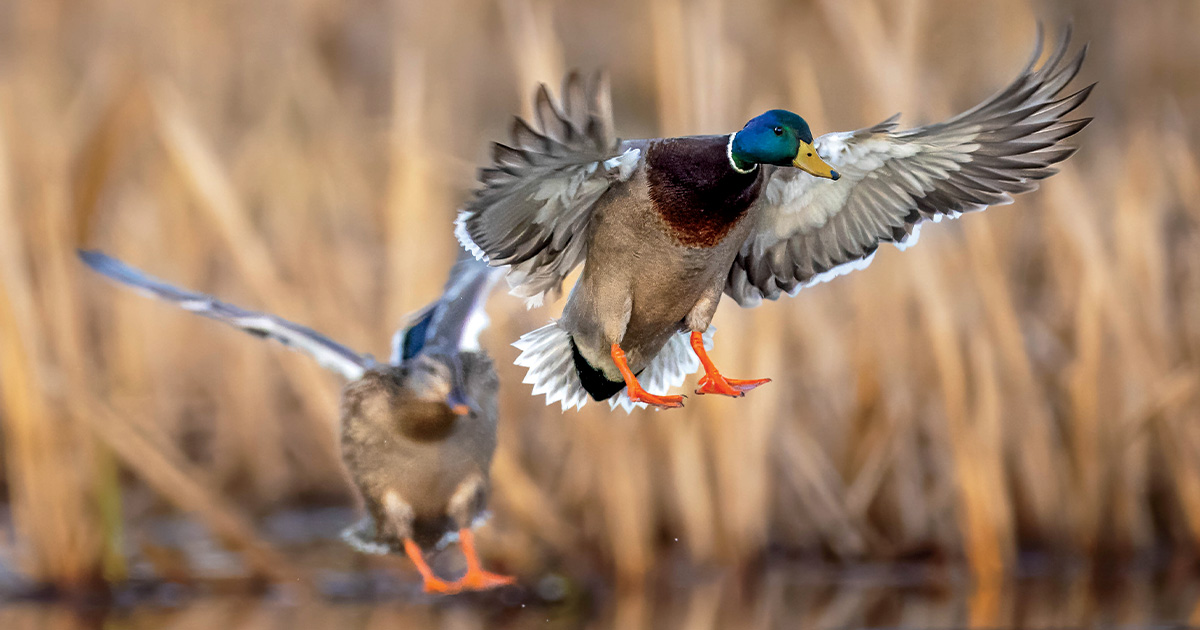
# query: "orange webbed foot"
{"points": [[433, 584], [662, 402], [713, 383], [438, 586], [733, 387], [476, 579], [483, 580], [634, 388]]}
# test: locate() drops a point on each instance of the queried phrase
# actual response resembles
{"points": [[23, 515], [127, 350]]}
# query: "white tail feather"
{"points": [[547, 353]]}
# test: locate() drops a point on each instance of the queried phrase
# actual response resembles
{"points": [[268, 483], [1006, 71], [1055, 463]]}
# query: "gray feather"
{"points": [[893, 180], [537, 196], [328, 353]]}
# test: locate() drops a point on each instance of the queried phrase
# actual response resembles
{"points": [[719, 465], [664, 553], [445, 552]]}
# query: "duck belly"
{"points": [[639, 286]]}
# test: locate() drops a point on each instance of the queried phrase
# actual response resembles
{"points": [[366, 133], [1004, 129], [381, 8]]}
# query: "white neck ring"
{"points": [[733, 162]]}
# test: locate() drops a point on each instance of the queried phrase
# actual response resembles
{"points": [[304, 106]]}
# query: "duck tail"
{"points": [[547, 352]]}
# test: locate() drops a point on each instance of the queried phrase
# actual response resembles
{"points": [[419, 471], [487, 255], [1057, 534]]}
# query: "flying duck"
{"points": [[664, 227], [417, 433]]}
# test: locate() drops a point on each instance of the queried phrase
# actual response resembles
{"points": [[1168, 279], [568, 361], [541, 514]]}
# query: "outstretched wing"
{"points": [[453, 322], [814, 229], [330, 354], [536, 199]]}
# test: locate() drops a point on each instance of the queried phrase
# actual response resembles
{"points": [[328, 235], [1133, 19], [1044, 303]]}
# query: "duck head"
{"points": [[436, 379], [781, 138]]}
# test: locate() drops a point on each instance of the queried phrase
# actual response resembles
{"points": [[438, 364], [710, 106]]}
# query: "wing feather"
{"points": [[536, 199], [812, 229], [454, 321], [330, 354]]}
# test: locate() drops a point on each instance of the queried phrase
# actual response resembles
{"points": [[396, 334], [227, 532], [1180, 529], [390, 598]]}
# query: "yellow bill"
{"points": [[808, 161]]}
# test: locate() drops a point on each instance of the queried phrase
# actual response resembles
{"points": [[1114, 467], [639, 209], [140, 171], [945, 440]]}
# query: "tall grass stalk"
{"points": [[1025, 379]]}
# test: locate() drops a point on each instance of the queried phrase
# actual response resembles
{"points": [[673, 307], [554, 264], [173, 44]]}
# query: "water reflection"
{"points": [[780, 599]]}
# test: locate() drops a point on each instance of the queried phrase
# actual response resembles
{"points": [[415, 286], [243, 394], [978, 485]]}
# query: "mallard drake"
{"points": [[417, 433], [664, 226]]}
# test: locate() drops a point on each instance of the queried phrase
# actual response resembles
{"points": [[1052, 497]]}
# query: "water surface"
{"points": [[786, 597]]}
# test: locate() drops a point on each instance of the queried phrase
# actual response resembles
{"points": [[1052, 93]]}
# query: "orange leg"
{"points": [[476, 578], [636, 393], [433, 584], [712, 382]]}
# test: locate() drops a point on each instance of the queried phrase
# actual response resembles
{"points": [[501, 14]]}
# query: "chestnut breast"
{"points": [[696, 190]]}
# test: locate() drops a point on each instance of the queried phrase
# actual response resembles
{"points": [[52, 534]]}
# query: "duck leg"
{"points": [[398, 525], [476, 579], [712, 382], [468, 501], [634, 388], [433, 584]]}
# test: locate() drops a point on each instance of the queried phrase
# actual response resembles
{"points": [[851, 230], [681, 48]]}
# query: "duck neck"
{"points": [[737, 164]]}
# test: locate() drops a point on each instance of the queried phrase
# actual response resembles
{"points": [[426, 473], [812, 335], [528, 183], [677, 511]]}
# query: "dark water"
{"points": [[776, 598]]}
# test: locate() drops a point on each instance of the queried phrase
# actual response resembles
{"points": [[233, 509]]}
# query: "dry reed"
{"points": [[1024, 379]]}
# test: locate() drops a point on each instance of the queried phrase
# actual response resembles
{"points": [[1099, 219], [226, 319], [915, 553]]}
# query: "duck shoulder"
{"points": [[696, 190]]}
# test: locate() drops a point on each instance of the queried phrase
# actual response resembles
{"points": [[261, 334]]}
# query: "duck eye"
{"points": [[778, 131]]}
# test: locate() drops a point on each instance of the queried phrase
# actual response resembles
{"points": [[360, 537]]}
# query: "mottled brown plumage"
{"points": [[421, 468], [418, 435]]}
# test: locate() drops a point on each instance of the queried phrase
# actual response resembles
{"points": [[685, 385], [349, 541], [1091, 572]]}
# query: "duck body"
{"points": [[662, 244], [398, 446], [417, 432], [664, 227]]}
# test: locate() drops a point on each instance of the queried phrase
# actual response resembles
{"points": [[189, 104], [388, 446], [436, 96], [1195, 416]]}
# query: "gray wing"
{"points": [[330, 354], [535, 200], [453, 322], [812, 229]]}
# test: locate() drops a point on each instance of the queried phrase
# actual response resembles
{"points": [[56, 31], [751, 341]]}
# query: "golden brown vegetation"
{"points": [[1025, 378]]}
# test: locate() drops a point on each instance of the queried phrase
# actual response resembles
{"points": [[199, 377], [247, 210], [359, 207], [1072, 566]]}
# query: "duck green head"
{"points": [[781, 138]]}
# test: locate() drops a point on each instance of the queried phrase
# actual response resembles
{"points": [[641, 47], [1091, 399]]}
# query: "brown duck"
{"points": [[664, 227], [418, 432]]}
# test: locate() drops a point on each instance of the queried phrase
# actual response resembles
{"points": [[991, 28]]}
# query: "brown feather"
{"points": [[395, 439]]}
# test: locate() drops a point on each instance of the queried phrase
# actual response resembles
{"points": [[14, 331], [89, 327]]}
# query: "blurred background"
{"points": [[1018, 394]]}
